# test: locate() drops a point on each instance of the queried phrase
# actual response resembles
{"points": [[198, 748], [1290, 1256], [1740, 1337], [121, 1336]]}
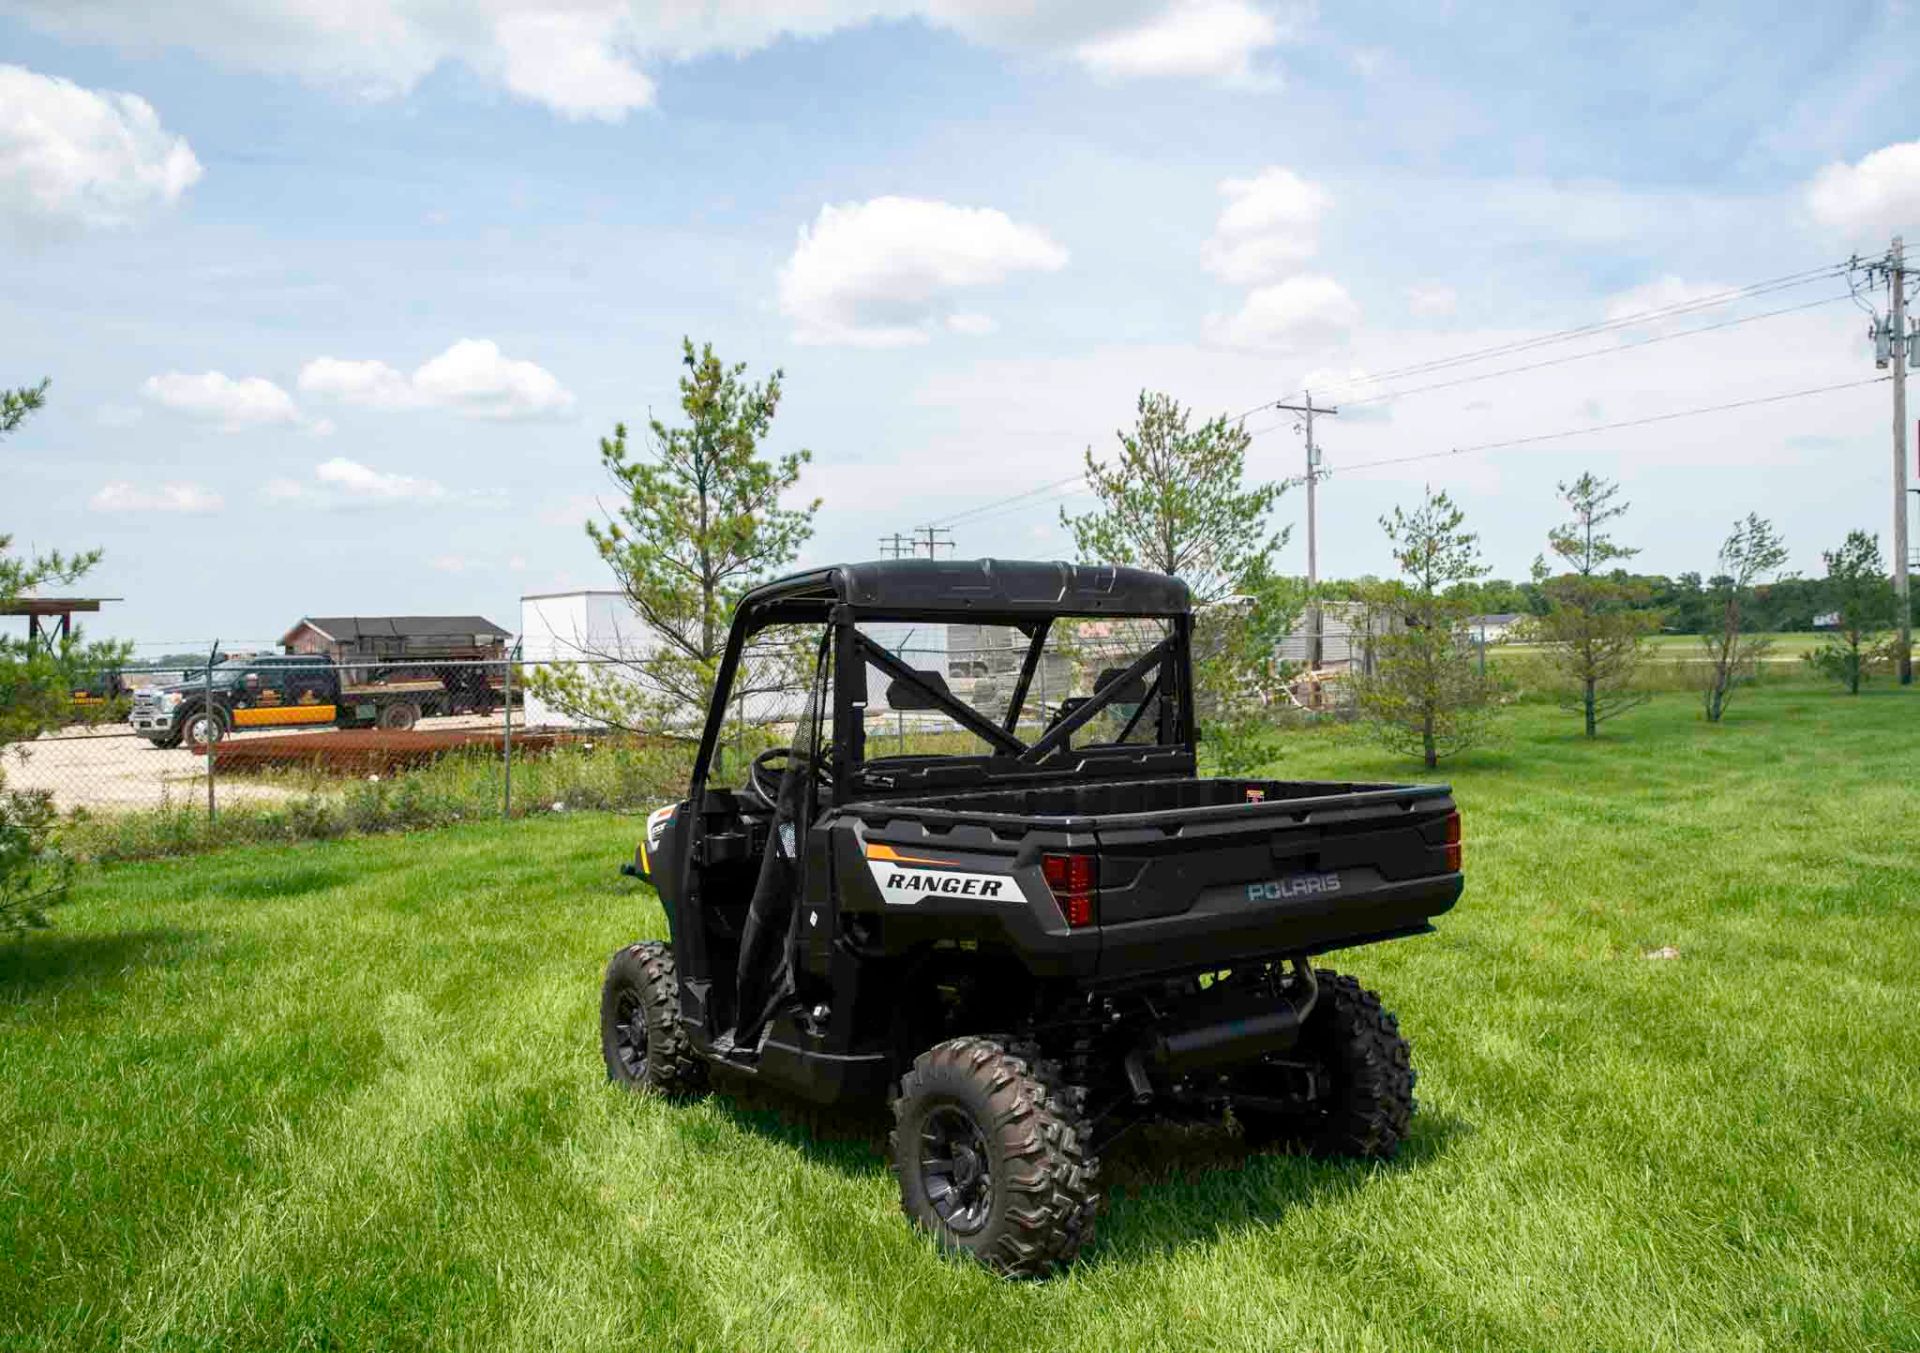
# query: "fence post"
{"points": [[506, 739], [207, 724]]}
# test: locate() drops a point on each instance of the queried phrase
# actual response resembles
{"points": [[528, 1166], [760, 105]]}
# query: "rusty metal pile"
{"points": [[371, 751]]}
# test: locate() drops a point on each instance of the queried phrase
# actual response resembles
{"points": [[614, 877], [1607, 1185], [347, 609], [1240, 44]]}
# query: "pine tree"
{"points": [[1596, 621], [36, 685], [1425, 693], [703, 520], [1859, 593]]}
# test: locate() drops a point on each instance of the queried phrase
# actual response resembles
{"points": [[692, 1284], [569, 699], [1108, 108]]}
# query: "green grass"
{"points": [[1786, 643], [347, 1094]]}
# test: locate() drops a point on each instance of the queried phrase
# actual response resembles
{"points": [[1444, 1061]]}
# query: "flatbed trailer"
{"points": [[285, 691]]}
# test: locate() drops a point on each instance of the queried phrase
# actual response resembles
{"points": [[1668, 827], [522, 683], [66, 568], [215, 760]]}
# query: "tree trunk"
{"points": [[1593, 724], [1426, 741]]}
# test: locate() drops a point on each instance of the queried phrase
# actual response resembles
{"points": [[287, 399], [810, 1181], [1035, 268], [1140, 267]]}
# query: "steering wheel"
{"points": [[770, 768]]}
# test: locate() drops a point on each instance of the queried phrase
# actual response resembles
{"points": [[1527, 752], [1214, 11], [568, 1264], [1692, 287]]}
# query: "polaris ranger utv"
{"points": [[1031, 925]]}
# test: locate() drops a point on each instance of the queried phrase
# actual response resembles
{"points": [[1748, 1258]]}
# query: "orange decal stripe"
{"points": [[277, 716], [877, 851]]}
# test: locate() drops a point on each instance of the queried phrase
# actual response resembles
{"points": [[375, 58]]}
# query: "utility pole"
{"points": [[928, 538], [1897, 324], [1314, 472], [896, 546], [1891, 345]]}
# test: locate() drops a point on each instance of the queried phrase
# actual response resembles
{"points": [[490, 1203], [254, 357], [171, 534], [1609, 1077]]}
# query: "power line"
{"points": [[1614, 427], [1595, 329], [1014, 498], [1387, 395], [1786, 281], [1016, 503]]}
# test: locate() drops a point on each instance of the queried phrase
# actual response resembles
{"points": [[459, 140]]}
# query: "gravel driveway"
{"points": [[114, 769]]}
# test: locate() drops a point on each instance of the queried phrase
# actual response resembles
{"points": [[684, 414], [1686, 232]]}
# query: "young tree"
{"points": [[1237, 669], [1175, 500], [1858, 591], [1734, 652], [701, 524], [1425, 693], [36, 681], [1595, 621]]}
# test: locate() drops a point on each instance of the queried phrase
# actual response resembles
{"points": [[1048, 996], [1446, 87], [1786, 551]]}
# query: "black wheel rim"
{"points": [[630, 1036], [955, 1171]]}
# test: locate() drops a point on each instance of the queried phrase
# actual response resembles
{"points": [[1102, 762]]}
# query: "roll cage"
{"points": [[1028, 597]]}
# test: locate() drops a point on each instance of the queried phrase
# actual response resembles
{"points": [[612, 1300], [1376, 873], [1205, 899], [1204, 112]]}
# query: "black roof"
{"points": [[911, 588], [346, 628]]}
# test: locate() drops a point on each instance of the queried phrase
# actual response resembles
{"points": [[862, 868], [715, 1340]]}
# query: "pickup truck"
{"points": [[290, 690], [1032, 925]]}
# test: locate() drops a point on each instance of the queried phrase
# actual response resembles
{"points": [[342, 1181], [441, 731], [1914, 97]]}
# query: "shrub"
{"points": [[34, 871]]}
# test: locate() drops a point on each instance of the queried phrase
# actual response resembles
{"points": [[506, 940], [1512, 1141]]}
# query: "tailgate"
{"points": [[1208, 886]]}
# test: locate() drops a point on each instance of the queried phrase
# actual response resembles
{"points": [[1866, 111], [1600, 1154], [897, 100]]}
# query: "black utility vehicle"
{"points": [[1025, 920]]}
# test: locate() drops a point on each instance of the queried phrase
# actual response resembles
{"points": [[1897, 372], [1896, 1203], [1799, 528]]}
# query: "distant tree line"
{"points": [[1687, 604]]}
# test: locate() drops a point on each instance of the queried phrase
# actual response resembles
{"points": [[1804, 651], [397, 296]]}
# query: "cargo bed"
{"points": [[1198, 872]]}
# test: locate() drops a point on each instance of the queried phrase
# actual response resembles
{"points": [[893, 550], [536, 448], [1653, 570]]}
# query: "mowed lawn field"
{"points": [[348, 1095]]}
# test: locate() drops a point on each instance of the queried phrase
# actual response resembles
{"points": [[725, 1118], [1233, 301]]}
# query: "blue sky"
{"points": [[337, 307]]}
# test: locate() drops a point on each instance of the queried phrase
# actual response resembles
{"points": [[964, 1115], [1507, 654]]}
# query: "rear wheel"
{"points": [[993, 1155], [399, 718], [1365, 1100], [640, 1034]]}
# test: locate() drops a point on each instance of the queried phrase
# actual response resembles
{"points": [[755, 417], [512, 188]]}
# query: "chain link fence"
{"points": [[168, 754], [274, 745]]}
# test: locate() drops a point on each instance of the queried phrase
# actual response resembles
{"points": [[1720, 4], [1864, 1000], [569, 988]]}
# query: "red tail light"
{"points": [[1453, 842], [1073, 880]]}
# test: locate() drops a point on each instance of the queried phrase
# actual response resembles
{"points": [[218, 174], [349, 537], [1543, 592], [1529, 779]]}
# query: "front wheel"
{"points": [[203, 727], [993, 1155], [1365, 1100], [640, 1034], [399, 718]]}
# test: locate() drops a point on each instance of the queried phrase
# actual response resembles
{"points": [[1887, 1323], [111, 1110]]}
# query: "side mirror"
{"points": [[902, 695]]}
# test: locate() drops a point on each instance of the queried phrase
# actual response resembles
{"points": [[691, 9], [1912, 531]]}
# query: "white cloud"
{"points": [[972, 326], [1297, 315], [1358, 394], [214, 396], [882, 273], [472, 378], [1271, 222], [362, 482], [1192, 38], [1663, 293], [593, 58], [1432, 299], [73, 159], [370, 384], [572, 63], [1879, 194], [450, 563], [123, 496]]}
